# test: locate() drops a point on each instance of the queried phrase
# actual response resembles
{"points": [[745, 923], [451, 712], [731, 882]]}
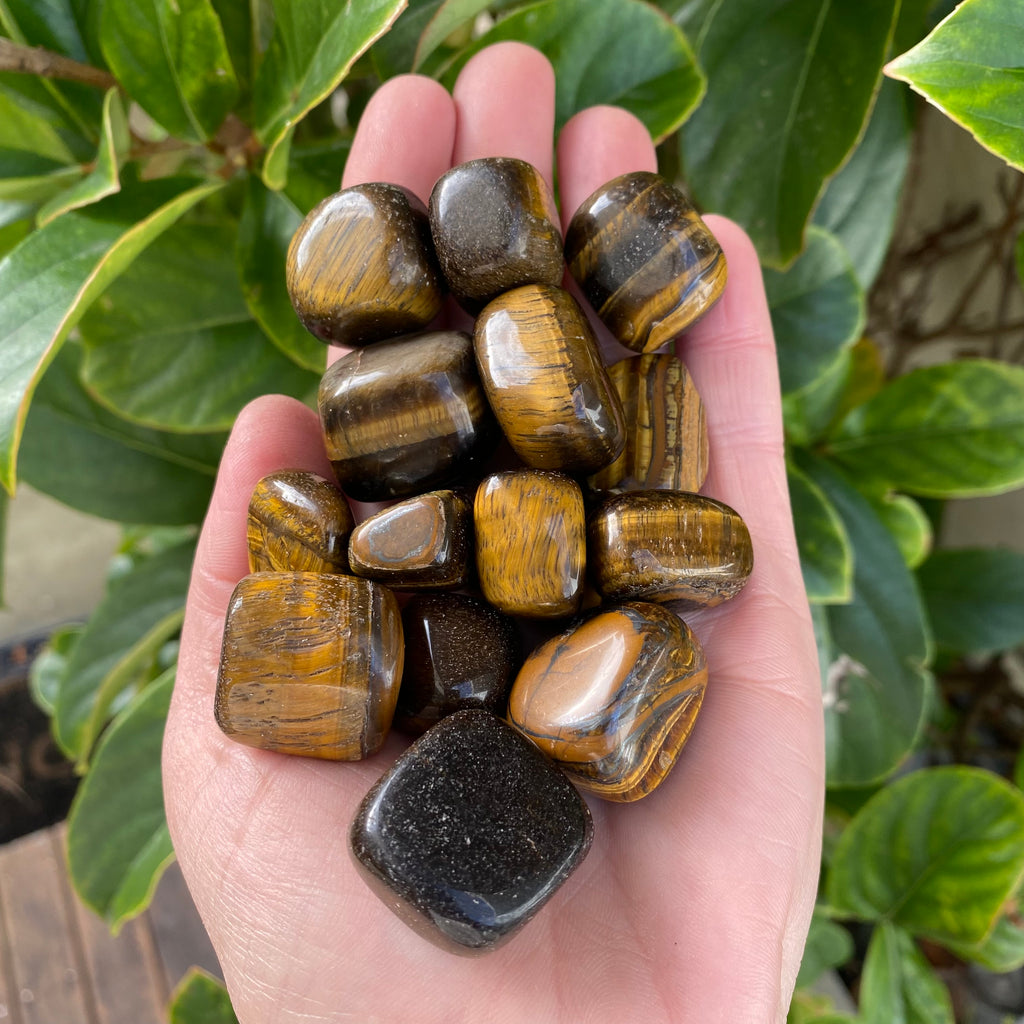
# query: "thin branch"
{"points": [[34, 60]]}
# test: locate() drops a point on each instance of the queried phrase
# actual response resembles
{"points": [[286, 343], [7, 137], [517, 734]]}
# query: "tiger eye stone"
{"points": [[612, 701], [494, 227], [424, 542], [644, 259], [666, 429], [460, 654], [530, 542], [546, 382], [311, 664], [405, 415], [668, 546], [297, 521], [470, 833], [361, 266]]}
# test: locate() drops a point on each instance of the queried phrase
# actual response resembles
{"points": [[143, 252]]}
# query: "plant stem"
{"points": [[34, 60]]}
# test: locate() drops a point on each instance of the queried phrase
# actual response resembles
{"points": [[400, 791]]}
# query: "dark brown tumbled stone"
{"points": [[647, 263], [361, 266], [493, 222]]}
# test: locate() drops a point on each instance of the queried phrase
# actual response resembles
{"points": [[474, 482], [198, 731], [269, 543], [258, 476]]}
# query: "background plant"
{"points": [[155, 158]]}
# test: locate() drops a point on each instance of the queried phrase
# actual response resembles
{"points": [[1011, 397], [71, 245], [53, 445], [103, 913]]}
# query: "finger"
{"points": [[505, 106]]}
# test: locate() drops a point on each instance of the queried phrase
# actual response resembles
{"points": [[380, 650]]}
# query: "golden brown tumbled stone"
{"points": [[422, 543], [612, 701], [311, 664], [668, 546], [297, 521], [530, 542], [666, 429], [546, 382], [361, 266], [647, 263]]}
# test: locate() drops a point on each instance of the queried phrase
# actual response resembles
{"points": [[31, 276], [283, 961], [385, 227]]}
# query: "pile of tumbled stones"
{"points": [[594, 541]]}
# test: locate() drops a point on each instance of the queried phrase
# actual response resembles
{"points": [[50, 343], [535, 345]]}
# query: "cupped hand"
{"points": [[693, 904]]}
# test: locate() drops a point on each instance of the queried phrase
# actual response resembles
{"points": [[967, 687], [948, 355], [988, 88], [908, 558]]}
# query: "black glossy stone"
{"points": [[460, 654], [470, 832]]}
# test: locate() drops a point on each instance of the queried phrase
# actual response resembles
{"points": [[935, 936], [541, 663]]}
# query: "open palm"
{"points": [[693, 904]]}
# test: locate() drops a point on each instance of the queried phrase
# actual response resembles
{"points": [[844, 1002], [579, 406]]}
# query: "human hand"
{"points": [[693, 904]]}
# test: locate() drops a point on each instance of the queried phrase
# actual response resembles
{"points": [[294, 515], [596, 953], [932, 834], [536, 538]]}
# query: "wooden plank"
{"points": [[10, 1011], [45, 948]]}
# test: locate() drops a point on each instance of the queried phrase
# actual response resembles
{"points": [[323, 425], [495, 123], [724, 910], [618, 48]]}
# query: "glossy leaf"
{"points": [[825, 555], [109, 467], [141, 609], [969, 67], [817, 309], [860, 203], [236, 21], [907, 524], [950, 430], [173, 345], [790, 83], [30, 129], [29, 178], [49, 667], [118, 842], [898, 985], [200, 999], [975, 598], [938, 852], [52, 277], [172, 59], [1002, 950], [395, 52], [313, 47], [645, 65], [875, 690], [269, 220], [449, 16], [828, 945]]}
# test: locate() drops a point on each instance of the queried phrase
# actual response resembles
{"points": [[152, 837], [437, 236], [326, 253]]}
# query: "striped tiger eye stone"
{"points": [[612, 701], [361, 266], [494, 227], [644, 259], [421, 543], [297, 521], [668, 546], [311, 664], [530, 542], [546, 382], [405, 415], [666, 429]]}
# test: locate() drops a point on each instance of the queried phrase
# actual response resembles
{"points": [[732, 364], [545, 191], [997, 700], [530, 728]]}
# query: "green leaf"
{"points": [[975, 598], [118, 843], [172, 344], [103, 180], [645, 63], [907, 524], [828, 945], [27, 127], [825, 555], [395, 51], [269, 219], [315, 169], [447, 18], [950, 430], [172, 59], [860, 203], [875, 691], [817, 309], [109, 467], [237, 23], [970, 68], [1002, 950], [52, 277], [790, 83], [141, 609], [30, 178], [313, 47], [938, 852], [48, 670], [201, 999], [899, 986]]}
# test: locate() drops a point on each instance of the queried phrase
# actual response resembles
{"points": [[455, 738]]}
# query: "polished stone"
{"points": [[546, 382], [460, 654], [361, 266], [494, 225], [612, 701], [470, 833], [647, 263], [311, 664], [668, 546], [405, 416], [298, 522]]}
